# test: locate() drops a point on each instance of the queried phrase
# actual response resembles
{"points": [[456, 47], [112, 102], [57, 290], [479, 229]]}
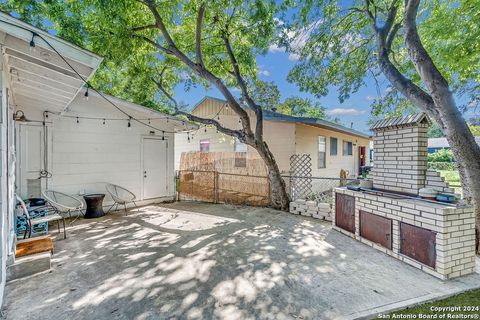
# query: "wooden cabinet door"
{"points": [[345, 212], [418, 243], [376, 229]]}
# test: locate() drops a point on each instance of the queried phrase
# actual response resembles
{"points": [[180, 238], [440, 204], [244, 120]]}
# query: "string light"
{"points": [[188, 137], [205, 129], [85, 96], [88, 86], [129, 125], [32, 42], [163, 135], [148, 120]]}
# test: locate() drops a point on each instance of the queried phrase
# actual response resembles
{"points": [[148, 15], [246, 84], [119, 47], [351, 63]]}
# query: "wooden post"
{"points": [[215, 186]]}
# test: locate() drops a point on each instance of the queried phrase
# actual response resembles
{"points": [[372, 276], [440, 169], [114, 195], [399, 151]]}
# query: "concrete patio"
{"points": [[201, 261]]}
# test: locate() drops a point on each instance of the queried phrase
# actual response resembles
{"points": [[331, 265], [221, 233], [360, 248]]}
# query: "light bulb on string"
{"points": [[78, 121], [103, 121], [148, 120], [163, 135], [129, 124], [85, 96], [32, 42]]}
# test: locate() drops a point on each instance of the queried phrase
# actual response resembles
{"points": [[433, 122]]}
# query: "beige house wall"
{"points": [[307, 142], [283, 139]]}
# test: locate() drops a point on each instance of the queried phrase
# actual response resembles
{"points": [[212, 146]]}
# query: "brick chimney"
{"points": [[400, 153]]}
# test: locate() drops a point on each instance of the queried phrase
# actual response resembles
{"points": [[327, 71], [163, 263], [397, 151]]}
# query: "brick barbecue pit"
{"points": [[435, 237]]}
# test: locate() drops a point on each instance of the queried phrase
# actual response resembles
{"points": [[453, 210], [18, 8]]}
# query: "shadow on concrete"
{"points": [[202, 261]]}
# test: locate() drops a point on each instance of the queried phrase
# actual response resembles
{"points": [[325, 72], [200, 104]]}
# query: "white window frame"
{"points": [[203, 141], [322, 145]]}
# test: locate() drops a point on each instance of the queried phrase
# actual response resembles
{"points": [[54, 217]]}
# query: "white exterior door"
{"points": [[154, 168], [31, 147]]}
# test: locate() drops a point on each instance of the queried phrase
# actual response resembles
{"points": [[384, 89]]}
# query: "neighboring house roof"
{"points": [[410, 119], [269, 115], [442, 143]]}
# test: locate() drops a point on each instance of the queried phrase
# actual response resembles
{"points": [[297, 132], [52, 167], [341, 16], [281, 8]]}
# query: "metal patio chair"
{"points": [[120, 196], [31, 222], [63, 204]]}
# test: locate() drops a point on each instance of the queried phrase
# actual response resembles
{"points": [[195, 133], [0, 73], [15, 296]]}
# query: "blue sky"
{"points": [[275, 65]]}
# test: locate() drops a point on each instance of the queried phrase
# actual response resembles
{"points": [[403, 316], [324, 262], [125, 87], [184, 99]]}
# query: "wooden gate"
{"points": [[345, 212]]}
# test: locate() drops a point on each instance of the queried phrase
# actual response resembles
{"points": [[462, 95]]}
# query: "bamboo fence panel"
{"points": [[216, 177]]}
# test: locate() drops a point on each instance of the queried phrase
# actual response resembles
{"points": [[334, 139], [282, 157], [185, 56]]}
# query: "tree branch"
{"points": [[153, 43], [200, 70], [384, 39], [243, 86], [198, 35], [391, 36], [236, 133], [141, 28]]}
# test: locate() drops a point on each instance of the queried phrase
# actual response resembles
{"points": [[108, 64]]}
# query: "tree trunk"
{"points": [[461, 140], [279, 198]]}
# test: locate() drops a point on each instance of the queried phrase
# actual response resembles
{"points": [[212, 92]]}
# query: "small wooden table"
{"points": [[94, 204]]}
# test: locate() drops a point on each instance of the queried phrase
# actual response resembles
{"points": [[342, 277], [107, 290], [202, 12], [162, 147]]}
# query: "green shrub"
{"points": [[449, 166], [442, 155]]}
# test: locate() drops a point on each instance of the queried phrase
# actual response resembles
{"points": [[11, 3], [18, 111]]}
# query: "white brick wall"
{"points": [[454, 227], [313, 209], [400, 158]]}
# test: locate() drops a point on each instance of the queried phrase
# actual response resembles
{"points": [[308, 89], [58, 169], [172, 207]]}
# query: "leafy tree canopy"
{"points": [[267, 95], [116, 30], [336, 46]]}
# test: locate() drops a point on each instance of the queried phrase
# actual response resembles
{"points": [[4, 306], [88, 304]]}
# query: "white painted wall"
{"points": [[307, 142], [84, 156], [7, 180]]}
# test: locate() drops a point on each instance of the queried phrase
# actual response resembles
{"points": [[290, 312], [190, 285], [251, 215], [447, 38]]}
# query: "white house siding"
{"points": [[7, 181], [280, 136], [86, 155], [307, 142]]}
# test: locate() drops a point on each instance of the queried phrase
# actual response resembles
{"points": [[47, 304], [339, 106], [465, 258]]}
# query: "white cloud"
{"points": [[263, 72], [345, 112], [297, 40], [370, 98], [273, 48]]}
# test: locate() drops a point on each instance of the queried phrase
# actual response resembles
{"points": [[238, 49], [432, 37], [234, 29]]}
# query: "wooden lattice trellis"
{"points": [[301, 176]]}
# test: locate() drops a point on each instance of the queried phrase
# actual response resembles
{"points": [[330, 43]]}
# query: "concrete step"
{"points": [[29, 265]]}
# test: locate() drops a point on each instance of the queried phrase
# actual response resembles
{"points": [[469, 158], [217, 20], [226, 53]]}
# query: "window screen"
{"points": [[333, 146], [240, 146], [240, 159], [204, 145], [321, 151], [347, 148]]}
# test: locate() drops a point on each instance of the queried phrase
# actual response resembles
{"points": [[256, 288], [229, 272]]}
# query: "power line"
{"points": [[32, 44]]}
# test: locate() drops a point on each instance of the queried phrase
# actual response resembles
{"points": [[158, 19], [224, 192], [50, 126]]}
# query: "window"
{"points": [[205, 145], [240, 159], [321, 151], [240, 146], [347, 148], [333, 146]]}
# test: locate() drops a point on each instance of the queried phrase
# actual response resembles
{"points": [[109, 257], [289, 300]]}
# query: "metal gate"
{"points": [[418, 243], [376, 229], [345, 212]]}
